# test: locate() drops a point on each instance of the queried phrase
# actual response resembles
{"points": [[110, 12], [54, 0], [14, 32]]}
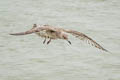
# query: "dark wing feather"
{"points": [[24, 33], [33, 30], [84, 37]]}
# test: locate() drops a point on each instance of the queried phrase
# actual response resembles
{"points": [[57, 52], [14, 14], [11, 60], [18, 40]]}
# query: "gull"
{"points": [[53, 33]]}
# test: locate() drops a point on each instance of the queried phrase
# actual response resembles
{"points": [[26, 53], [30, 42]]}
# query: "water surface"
{"points": [[26, 58]]}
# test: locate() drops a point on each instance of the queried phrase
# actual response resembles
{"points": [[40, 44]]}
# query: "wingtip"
{"points": [[11, 34], [108, 51]]}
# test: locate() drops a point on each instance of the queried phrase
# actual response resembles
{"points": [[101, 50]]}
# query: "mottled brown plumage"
{"points": [[52, 33]]}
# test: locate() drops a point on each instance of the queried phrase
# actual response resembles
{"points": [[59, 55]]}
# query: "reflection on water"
{"points": [[26, 58]]}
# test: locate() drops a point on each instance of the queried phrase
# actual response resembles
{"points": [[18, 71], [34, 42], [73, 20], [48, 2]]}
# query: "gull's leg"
{"points": [[69, 42], [49, 41], [44, 40]]}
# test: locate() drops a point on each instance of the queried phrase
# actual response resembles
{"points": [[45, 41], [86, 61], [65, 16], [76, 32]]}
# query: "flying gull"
{"points": [[52, 33]]}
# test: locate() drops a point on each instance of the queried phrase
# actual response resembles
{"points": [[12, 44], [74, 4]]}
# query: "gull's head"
{"points": [[34, 26]]}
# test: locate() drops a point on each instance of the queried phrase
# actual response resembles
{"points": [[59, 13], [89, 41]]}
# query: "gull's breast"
{"points": [[47, 34]]}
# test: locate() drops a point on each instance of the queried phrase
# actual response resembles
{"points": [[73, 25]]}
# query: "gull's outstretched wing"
{"points": [[26, 32], [23, 33], [84, 37], [33, 30]]}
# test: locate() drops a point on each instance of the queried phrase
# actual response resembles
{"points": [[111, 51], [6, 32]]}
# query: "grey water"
{"points": [[27, 58]]}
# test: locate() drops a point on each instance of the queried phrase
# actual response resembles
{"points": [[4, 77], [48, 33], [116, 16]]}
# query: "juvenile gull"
{"points": [[52, 33]]}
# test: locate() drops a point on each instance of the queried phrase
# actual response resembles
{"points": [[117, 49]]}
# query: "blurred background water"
{"points": [[26, 58]]}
